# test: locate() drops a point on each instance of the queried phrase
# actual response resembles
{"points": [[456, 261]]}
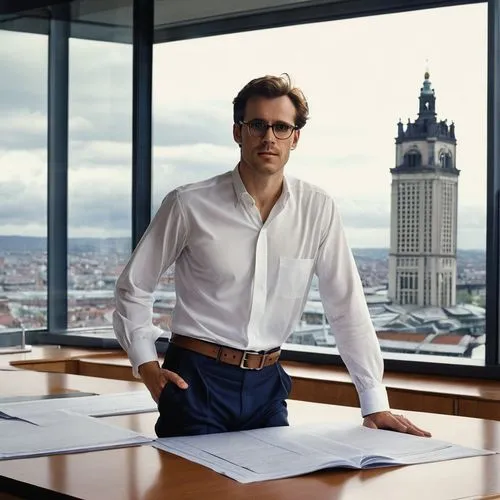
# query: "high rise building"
{"points": [[422, 259]]}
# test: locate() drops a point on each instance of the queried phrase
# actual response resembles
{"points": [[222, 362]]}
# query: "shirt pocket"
{"points": [[293, 277]]}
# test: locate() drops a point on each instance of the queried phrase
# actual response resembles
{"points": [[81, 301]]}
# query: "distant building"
{"points": [[422, 258], [444, 331]]}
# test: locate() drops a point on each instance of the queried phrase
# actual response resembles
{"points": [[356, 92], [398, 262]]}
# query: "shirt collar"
{"points": [[239, 188], [241, 193]]}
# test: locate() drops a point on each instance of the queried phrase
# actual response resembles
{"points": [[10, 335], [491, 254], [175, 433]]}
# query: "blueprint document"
{"points": [[279, 452], [92, 406], [62, 432]]}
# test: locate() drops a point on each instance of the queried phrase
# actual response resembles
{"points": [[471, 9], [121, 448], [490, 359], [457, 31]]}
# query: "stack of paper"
{"points": [[279, 452], [94, 406], [62, 432]]}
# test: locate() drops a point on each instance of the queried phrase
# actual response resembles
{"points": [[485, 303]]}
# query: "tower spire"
{"points": [[427, 100]]}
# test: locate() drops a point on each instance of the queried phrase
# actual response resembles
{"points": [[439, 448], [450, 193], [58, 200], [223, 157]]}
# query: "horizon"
{"points": [[129, 238]]}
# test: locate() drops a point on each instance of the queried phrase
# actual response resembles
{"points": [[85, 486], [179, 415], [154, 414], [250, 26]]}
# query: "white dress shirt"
{"points": [[243, 283]]}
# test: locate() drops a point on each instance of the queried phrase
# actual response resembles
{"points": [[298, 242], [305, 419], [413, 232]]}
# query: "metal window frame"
{"points": [[57, 166], [493, 188], [142, 119], [295, 14]]}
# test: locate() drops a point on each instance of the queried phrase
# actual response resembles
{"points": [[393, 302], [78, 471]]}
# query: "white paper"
{"points": [[92, 406], [64, 432], [12, 427], [279, 452]]}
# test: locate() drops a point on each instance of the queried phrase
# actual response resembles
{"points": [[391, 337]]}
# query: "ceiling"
{"points": [[181, 12], [180, 19]]}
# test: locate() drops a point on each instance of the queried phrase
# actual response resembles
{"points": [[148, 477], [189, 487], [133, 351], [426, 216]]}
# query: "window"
{"points": [[413, 159], [99, 177], [23, 181], [98, 196], [445, 160], [343, 150]]}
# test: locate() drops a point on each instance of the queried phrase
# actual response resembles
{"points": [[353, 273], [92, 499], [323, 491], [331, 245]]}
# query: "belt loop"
{"points": [[219, 352]]}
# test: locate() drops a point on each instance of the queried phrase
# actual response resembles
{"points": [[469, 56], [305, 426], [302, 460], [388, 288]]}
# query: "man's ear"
{"points": [[237, 133], [296, 137]]}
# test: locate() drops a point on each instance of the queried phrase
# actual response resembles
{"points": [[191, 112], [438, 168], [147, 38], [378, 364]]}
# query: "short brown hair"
{"points": [[271, 87]]}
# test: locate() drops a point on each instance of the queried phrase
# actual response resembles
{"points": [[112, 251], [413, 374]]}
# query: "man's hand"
{"points": [[389, 421], [155, 378]]}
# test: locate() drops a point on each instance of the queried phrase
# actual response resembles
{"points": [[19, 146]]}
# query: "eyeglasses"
{"points": [[258, 128]]}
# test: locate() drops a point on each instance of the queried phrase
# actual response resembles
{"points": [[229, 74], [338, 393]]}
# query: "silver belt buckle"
{"points": [[244, 359]]}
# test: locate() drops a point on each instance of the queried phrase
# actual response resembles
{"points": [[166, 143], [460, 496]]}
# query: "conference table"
{"points": [[143, 472]]}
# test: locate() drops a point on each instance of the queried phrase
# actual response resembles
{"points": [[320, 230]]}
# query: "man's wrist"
{"points": [[149, 365], [140, 352]]}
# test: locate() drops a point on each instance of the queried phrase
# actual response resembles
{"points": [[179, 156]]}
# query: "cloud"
{"points": [[30, 210], [23, 128], [360, 214], [100, 204], [24, 72], [204, 153], [87, 155], [471, 218], [197, 127], [23, 191], [176, 166]]}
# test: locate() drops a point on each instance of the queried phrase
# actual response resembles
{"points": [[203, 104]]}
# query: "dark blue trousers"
{"points": [[220, 397]]}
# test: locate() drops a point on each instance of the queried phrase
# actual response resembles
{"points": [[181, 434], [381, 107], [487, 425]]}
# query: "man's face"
{"points": [[266, 155]]}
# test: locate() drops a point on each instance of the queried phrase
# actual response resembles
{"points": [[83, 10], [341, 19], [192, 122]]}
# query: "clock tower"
{"points": [[422, 258]]}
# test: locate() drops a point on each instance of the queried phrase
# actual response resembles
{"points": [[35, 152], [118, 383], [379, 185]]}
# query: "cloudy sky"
{"points": [[360, 76]]}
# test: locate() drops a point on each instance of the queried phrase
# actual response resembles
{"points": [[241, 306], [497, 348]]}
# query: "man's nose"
{"points": [[269, 135]]}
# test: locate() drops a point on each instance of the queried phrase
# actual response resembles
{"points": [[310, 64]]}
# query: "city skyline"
{"points": [[356, 98]]}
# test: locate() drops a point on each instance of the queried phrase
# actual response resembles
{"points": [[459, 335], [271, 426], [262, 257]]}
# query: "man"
{"points": [[245, 246]]}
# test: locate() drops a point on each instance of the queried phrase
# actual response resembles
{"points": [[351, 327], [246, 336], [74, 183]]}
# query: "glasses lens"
{"points": [[257, 128], [282, 130]]}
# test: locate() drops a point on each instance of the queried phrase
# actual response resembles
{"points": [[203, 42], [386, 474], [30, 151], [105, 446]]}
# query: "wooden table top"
{"points": [[146, 473], [115, 359], [45, 353], [30, 383]]}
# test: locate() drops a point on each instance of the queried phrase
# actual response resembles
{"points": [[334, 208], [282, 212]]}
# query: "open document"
{"points": [[92, 406], [279, 452], [62, 432]]}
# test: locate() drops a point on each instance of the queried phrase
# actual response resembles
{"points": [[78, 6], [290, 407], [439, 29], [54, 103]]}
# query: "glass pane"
{"points": [[100, 170], [413, 209], [23, 180]]}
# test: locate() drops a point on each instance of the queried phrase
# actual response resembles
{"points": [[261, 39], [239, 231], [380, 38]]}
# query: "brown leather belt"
{"points": [[248, 360]]}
